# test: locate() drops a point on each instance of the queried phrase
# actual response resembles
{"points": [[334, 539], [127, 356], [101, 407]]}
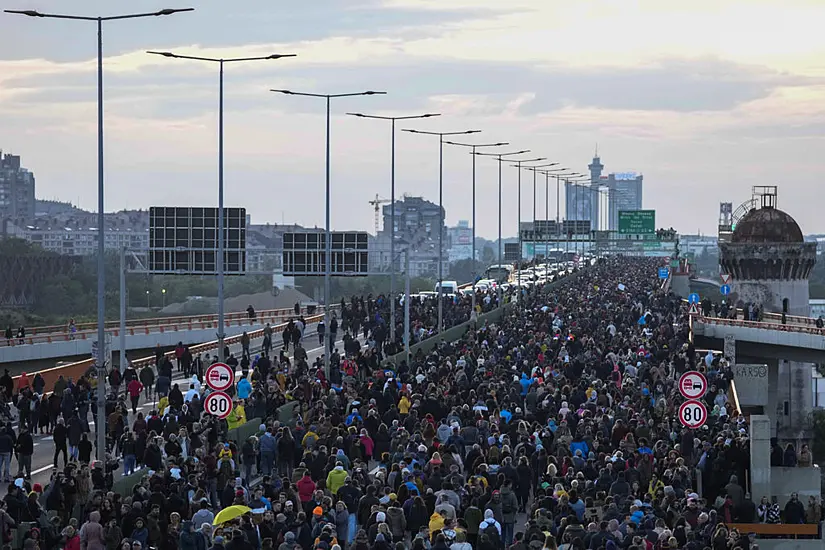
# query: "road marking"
{"points": [[41, 470]]}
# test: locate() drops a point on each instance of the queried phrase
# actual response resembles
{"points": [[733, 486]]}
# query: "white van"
{"points": [[450, 287]]}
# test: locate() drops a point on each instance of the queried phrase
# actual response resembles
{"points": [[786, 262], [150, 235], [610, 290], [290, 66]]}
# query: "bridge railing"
{"points": [[804, 329], [162, 324], [156, 321], [79, 368]]}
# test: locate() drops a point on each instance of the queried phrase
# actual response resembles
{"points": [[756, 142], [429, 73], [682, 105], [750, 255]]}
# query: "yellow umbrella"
{"points": [[229, 513]]}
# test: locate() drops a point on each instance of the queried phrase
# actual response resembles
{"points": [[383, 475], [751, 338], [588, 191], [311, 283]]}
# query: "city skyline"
{"points": [[704, 120]]}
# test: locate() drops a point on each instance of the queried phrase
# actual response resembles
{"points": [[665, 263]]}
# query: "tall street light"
{"points": [[518, 164], [328, 233], [500, 157], [546, 171], [392, 120], [221, 61], [569, 178], [441, 213], [475, 146], [101, 221]]}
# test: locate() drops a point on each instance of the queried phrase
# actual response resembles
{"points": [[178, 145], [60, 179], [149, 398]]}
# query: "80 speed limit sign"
{"points": [[693, 414], [218, 404]]}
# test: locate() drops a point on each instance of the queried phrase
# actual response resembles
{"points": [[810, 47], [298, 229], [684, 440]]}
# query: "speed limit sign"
{"points": [[693, 414], [218, 404]]}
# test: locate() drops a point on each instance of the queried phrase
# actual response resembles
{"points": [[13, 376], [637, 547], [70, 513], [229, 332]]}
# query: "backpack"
{"points": [[491, 531]]}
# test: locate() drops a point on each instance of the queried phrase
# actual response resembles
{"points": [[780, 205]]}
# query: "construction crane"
{"points": [[377, 204]]}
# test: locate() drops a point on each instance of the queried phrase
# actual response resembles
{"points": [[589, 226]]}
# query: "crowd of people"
{"points": [[551, 427]]}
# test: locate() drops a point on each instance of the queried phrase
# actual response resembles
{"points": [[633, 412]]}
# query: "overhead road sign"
{"points": [[637, 222], [218, 404], [693, 385], [184, 240], [305, 254], [693, 414], [220, 376]]}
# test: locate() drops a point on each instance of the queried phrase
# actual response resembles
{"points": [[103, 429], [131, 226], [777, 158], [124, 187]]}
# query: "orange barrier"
{"points": [[79, 368]]}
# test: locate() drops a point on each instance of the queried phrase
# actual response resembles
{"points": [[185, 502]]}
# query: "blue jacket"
{"points": [[579, 445], [525, 384], [268, 444], [244, 388]]}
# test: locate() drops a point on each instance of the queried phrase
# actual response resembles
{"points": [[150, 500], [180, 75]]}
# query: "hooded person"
{"points": [[336, 478], [490, 527]]}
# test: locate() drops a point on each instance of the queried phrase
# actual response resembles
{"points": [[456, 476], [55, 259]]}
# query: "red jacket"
{"points": [[305, 487], [134, 388]]}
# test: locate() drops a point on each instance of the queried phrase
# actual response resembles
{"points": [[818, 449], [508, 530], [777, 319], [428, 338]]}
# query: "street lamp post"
{"points": [[500, 157], [547, 174], [441, 213], [221, 61], [475, 146], [328, 233], [392, 119], [540, 170], [518, 223], [101, 221]]}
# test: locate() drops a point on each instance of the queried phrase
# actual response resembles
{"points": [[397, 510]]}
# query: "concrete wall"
{"points": [[751, 384], [77, 348], [754, 344], [771, 293], [450, 335], [804, 481]]}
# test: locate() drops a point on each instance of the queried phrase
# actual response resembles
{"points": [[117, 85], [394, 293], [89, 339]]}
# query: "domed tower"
{"points": [[768, 258]]}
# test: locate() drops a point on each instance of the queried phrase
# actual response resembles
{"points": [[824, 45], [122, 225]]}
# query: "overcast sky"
{"points": [[706, 98]]}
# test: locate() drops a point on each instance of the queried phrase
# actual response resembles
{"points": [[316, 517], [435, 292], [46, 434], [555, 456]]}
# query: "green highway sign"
{"points": [[637, 222]]}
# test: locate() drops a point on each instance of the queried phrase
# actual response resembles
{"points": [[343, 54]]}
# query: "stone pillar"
{"points": [[760, 477], [774, 408]]}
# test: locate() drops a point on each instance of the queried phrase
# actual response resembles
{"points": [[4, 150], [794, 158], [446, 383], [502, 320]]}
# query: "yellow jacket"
{"points": [[237, 417], [404, 405]]}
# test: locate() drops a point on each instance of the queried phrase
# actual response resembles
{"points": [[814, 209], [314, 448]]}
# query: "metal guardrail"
{"points": [[804, 329], [170, 324], [79, 368], [156, 321]]}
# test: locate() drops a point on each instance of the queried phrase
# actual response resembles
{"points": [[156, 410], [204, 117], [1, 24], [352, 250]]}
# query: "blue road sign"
{"points": [[693, 298], [663, 273], [725, 290]]}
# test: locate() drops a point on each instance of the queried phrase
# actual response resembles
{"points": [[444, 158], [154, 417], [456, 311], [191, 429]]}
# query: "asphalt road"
{"points": [[42, 464]]}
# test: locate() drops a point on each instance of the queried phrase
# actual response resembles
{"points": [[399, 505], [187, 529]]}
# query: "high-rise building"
{"points": [[624, 193], [416, 225], [17, 201], [461, 241]]}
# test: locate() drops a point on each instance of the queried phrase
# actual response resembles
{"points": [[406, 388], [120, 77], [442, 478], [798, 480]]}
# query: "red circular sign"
{"points": [[220, 376], [218, 404], [693, 414], [693, 385]]}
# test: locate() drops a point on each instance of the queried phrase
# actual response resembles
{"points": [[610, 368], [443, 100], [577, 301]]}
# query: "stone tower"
{"points": [[768, 258], [769, 263]]}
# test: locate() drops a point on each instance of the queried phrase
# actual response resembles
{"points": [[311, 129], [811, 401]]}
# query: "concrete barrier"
{"points": [[458, 331]]}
